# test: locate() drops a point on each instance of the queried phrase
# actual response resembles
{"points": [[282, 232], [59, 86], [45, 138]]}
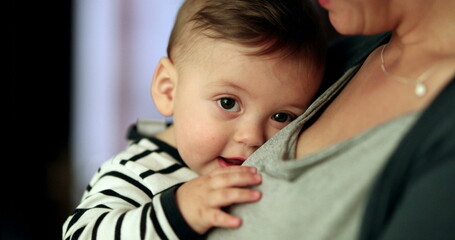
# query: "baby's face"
{"points": [[227, 104]]}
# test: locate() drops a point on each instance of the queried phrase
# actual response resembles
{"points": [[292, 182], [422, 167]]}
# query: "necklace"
{"points": [[420, 88]]}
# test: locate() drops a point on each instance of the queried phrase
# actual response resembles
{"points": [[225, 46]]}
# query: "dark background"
{"points": [[35, 172], [35, 165]]}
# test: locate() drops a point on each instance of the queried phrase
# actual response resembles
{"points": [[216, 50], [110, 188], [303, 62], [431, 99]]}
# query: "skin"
{"points": [[225, 105], [422, 38]]}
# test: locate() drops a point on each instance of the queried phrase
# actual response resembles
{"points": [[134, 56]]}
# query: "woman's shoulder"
{"points": [[346, 52], [356, 47], [424, 157]]}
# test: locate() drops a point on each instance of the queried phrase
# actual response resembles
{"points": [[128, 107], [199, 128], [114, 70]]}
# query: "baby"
{"points": [[236, 73]]}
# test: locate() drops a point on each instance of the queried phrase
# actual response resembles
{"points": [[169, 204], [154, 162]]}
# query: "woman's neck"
{"points": [[424, 37], [428, 25]]}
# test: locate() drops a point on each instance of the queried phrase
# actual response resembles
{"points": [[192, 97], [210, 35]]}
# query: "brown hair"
{"points": [[290, 27]]}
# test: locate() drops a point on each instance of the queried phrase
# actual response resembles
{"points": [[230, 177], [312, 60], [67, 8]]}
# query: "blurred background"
{"points": [[80, 72]]}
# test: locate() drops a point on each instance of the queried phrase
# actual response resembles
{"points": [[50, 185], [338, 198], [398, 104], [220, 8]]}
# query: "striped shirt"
{"points": [[131, 196]]}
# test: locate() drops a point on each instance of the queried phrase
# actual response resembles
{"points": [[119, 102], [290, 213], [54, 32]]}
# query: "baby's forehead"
{"points": [[224, 59], [198, 48]]}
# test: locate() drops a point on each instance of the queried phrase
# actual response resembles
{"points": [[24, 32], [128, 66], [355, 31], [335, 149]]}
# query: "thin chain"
{"points": [[420, 88]]}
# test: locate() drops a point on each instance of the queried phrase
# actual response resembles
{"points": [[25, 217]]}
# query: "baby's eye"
{"points": [[228, 104], [283, 117]]}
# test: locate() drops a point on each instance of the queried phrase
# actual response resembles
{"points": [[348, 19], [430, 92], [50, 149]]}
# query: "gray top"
{"points": [[322, 195]]}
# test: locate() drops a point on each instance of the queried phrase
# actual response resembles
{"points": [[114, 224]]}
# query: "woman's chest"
{"points": [[365, 103]]}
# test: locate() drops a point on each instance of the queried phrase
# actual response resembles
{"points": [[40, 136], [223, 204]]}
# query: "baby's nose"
{"points": [[252, 135]]}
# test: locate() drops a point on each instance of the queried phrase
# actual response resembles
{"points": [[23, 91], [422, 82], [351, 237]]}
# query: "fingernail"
{"points": [[258, 177], [256, 194]]}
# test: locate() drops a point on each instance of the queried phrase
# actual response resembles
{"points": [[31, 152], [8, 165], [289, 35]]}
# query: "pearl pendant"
{"points": [[420, 89]]}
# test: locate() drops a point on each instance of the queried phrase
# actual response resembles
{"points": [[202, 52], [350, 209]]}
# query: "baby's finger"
{"points": [[228, 196], [219, 218], [235, 179]]}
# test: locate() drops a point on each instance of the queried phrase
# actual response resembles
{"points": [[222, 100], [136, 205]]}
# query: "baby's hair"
{"points": [[289, 27]]}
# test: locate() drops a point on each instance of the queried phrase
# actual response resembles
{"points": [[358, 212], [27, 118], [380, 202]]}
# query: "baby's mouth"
{"points": [[226, 162]]}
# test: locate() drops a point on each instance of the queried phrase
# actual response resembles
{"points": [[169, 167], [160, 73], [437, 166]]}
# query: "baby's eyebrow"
{"points": [[227, 84]]}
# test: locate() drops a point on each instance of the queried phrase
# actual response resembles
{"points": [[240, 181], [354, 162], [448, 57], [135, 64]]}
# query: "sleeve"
{"points": [[119, 205], [427, 210], [175, 217]]}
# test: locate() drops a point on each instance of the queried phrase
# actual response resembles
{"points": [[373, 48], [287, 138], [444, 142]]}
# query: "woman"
{"points": [[374, 156]]}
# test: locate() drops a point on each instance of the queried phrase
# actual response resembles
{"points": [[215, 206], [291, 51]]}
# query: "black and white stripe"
{"points": [[126, 191]]}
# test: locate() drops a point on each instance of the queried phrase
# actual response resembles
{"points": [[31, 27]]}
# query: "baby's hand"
{"points": [[201, 199]]}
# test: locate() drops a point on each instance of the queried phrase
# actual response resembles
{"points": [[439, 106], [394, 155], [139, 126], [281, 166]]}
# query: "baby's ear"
{"points": [[163, 87]]}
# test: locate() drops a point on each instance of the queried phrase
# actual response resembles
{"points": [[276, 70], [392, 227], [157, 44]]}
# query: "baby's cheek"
{"points": [[198, 141]]}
